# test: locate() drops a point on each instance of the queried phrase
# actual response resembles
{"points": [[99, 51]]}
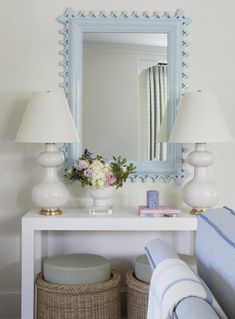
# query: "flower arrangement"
{"points": [[95, 171]]}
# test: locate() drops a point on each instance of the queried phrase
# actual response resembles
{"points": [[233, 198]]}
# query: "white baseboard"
{"points": [[10, 304]]}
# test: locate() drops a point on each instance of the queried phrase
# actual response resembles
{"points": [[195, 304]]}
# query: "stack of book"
{"points": [[161, 211]]}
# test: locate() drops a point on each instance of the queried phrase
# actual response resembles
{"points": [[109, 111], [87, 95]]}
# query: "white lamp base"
{"points": [[201, 192], [50, 194]]}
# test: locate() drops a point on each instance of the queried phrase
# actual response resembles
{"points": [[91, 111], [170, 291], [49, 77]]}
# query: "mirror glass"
{"points": [[125, 94]]}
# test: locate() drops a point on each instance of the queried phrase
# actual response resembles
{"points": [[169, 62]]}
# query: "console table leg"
{"points": [[27, 297]]}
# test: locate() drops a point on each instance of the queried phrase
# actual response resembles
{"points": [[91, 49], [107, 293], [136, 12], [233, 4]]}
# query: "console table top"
{"points": [[122, 219]]}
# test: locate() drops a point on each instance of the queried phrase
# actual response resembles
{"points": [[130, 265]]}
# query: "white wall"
{"points": [[30, 62]]}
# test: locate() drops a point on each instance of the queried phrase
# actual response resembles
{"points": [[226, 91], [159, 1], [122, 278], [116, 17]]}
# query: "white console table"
{"points": [[125, 219]]}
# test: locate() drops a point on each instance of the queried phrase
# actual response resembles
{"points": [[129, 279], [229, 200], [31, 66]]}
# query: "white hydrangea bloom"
{"points": [[99, 171]]}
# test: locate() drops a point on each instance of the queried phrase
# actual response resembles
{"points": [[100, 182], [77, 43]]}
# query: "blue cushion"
{"points": [[215, 250], [157, 251], [194, 308]]}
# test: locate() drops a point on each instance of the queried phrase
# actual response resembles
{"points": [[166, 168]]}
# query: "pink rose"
{"points": [[111, 178]]}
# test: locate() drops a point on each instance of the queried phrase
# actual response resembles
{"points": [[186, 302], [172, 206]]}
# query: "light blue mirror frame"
{"points": [[174, 26]]}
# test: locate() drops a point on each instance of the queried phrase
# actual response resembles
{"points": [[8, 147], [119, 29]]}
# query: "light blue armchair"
{"points": [[215, 254]]}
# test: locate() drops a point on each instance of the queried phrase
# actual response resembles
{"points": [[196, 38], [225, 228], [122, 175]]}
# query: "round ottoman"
{"points": [[78, 286], [76, 269], [143, 269], [138, 288]]}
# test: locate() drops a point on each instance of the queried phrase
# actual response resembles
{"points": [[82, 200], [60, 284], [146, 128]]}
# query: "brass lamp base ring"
{"points": [[196, 211], [50, 211]]}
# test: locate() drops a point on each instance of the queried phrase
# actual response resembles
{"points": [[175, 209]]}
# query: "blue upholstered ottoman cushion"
{"points": [[76, 269], [215, 250], [143, 269]]}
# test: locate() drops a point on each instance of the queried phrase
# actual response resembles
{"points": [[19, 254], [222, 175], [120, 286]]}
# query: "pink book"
{"points": [[159, 210]]}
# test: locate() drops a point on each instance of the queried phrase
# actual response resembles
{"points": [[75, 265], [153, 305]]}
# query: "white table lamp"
{"points": [[47, 119], [200, 120]]}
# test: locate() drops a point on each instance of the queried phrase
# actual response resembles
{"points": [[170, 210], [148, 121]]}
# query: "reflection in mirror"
{"points": [[152, 106], [125, 95]]}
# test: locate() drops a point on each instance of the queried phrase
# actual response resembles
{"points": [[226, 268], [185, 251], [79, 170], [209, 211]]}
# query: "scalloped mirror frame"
{"points": [[175, 27]]}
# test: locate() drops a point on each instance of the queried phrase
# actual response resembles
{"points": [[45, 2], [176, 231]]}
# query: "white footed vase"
{"points": [[101, 200]]}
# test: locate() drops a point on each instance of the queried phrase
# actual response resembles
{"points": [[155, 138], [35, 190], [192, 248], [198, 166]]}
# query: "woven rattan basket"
{"points": [[137, 297], [93, 301]]}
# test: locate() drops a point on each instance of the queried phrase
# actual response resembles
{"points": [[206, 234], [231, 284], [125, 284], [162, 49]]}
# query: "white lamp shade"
{"points": [[47, 119], [200, 120]]}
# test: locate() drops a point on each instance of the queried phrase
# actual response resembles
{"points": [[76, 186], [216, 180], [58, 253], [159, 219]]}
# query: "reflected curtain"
{"points": [[157, 105]]}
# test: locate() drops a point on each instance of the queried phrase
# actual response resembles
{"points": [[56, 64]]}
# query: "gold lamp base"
{"points": [[196, 211], [50, 212]]}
